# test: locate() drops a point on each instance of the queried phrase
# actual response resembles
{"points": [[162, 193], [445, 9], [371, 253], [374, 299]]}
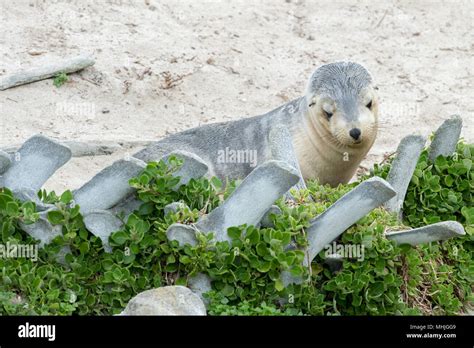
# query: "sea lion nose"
{"points": [[355, 133]]}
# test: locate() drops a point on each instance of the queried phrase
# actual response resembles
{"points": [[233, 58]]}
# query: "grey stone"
{"points": [[446, 138], [184, 234], [281, 148], [350, 208], [109, 187], [174, 207], [102, 223], [168, 300], [403, 167], [5, 161], [42, 229], [426, 234], [200, 284], [266, 221], [34, 163], [261, 188], [193, 167]]}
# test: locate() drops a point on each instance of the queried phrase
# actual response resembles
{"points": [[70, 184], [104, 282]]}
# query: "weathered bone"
{"points": [[281, 148], [174, 207], [193, 167], [402, 169], [347, 210], [5, 161], [102, 223], [263, 186], [29, 195], [184, 234], [350, 208], [34, 163], [266, 221], [446, 138], [426, 234], [109, 187], [200, 284], [67, 66], [127, 206], [42, 229]]}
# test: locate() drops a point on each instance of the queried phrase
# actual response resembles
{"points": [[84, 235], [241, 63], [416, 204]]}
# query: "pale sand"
{"points": [[232, 59]]}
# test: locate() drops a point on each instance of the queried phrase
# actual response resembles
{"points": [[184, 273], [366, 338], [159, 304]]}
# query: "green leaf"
{"points": [[279, 285], [84, 247], [55, 217], [234, 232], [66, 197], [119, 237]]}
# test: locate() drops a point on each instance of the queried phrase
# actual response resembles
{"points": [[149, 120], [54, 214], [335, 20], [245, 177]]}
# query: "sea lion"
{"points": [[332, 127]]}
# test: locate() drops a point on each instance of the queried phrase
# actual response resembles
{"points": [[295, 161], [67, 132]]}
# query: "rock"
{"points": [[200, 284], [266, 221], [168, 300], [109, 187], [174, 207], [34, 163], [193, 167], [402, 169], [446, 138], [351, 207], [102, 223], [5, 161], [262, 187], [426, 234], [184, 234]]}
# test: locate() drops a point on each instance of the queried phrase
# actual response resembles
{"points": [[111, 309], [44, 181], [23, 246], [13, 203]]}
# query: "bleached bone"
{"points": [[5, 161], [67, 66], [402, 169], [446, 138], [193, 167], [42, 229], [345, 212], [426, 234], [184, 234], [174, 207], [102, 223], [34, 163], [260, 189], [281, 148], [109, 187], [350, 208]]}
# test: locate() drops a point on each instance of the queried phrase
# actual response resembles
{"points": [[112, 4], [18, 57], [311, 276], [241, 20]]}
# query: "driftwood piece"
{"points": [[67, 66]]}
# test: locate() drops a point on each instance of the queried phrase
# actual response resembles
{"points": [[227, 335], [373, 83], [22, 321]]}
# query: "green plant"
{"points": [[441, 278], [74, 275], [60, 79]]}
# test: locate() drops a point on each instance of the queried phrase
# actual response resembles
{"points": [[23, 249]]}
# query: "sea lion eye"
{"points": [[369, 105], [328, 114]]}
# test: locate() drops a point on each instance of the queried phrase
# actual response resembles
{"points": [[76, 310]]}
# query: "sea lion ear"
{"points": [[376, 88]]}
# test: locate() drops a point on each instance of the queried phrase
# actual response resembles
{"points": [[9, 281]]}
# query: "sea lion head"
{"points": [[342, 103]]}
